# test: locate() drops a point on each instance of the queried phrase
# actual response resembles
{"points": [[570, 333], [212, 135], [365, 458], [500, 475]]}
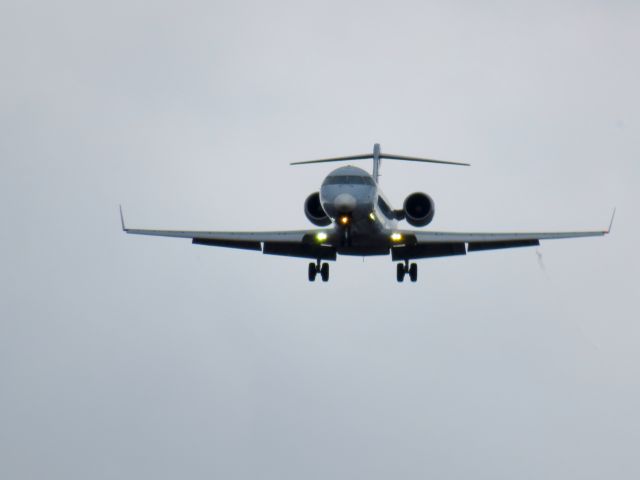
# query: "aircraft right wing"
{"points": [[298, 243], [291, 243]]}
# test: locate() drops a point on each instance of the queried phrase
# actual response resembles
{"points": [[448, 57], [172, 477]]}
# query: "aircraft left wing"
{"points": [[495, 238], [292, 243], [425, 244]]}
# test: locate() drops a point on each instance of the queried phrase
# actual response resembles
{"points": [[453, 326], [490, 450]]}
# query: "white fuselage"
{"points": [[361, 214]]}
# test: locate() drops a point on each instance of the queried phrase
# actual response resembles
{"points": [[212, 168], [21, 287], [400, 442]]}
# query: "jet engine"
{"points": [[419, 209], [314, 211]]}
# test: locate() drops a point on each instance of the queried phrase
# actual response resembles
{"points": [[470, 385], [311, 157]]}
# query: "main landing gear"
{"points": [[404, 268], [318, 268]]}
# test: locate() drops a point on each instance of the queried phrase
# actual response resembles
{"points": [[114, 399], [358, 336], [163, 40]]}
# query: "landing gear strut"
{"points": [[318, 268], [404, 268]]}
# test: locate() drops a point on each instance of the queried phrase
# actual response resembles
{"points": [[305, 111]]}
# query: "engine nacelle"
{"points": [[314, 211], [419, 209]]}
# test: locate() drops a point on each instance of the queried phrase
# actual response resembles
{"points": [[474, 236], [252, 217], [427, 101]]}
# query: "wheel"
{"points": [[312, 272], [400, 272], [324, 272], [413, 272]]}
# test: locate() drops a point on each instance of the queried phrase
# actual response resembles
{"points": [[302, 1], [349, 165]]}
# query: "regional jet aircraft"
{"points": [[358, 220]]}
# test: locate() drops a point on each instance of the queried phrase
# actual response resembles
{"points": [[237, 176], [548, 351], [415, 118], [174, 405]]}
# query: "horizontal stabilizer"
{"points": [[377, 155], [364, 156], [416, 159], [389, 156]]}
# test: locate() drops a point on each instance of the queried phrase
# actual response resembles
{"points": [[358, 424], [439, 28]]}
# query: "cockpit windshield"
{"points": [[348, 180]]}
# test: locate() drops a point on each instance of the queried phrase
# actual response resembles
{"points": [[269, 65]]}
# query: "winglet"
{"points": [[124, 229], [613, 215]]}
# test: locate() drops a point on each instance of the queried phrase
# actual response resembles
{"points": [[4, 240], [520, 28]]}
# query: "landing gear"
{"points": [[413, 272], [312, 272], [324, 272], [401, 272], [406, 268], [318, 268]]}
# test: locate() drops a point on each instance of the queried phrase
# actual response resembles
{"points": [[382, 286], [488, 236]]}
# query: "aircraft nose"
{"points": [[344, 203]]}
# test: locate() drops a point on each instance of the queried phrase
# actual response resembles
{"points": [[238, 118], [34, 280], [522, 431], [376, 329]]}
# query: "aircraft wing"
{"points": [[495, 238], [425, 244], [239, 238], [293, 243]]}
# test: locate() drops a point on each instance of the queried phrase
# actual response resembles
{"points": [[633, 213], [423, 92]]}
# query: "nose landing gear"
{"points": [[345, 234], [406, 268], [318, 268]]}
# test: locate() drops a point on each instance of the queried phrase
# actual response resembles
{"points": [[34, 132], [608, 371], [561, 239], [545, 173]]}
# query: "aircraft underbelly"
{"points": [[363, 243], [363, 251]]}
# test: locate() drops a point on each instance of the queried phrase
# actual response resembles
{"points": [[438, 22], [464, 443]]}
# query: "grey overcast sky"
{"points": [[132, 357]]}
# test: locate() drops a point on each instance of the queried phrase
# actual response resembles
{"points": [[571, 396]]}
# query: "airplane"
{"points": [[358, 220]]}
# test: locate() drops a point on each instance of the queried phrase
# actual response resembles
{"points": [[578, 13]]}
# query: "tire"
{"points": [[413, 272], [324, 272], [400, 272], [312, 272]]}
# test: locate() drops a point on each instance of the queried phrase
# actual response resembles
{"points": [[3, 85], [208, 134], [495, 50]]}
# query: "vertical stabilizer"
{"points": [[376, 162]]}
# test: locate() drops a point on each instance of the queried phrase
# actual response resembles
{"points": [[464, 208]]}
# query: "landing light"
{"points": [[396, 237], [372, 216], [321, 236], [344, 220]]}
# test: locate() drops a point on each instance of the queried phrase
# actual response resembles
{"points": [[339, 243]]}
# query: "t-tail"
{"points": [[376, 162], [377, 157]]}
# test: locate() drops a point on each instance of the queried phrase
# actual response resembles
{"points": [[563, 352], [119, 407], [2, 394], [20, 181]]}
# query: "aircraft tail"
{"points": [[377, 157]]}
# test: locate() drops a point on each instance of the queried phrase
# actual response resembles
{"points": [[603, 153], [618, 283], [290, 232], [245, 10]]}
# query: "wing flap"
{"points": [[242, 244], [303, 250], [427, 250], [480, 246]]}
